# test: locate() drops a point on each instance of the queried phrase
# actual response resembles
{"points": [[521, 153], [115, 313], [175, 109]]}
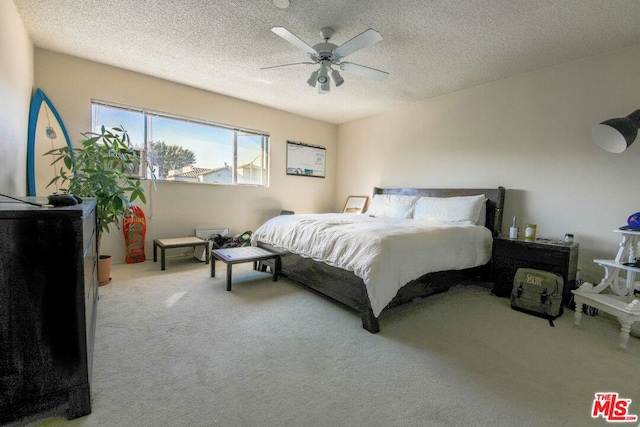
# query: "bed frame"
{"points": [[347, 288]]}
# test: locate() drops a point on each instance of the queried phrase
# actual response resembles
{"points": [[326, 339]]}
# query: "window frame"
{"points": [[147, 116]]}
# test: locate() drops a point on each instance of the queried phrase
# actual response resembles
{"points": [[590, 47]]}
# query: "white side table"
{"points": [[620, 279]]}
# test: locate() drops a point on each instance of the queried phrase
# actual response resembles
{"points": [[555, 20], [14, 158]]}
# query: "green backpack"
{"points": [[537, 292]]}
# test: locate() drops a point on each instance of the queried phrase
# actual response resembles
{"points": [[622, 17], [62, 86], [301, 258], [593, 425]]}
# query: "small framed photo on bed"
{"points": [[355, 204]]}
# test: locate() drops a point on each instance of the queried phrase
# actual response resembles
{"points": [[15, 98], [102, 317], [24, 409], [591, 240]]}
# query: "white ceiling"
{"points": [[429, 47]]}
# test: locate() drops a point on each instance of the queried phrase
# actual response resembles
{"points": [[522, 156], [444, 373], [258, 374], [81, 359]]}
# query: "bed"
{"points": [[376, 260]]}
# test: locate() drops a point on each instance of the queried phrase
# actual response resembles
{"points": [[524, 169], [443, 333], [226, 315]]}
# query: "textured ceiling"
{"points": [[429, 47]]}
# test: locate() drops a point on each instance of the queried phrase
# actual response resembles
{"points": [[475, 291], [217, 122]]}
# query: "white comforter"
{"points": [[386, 253]]}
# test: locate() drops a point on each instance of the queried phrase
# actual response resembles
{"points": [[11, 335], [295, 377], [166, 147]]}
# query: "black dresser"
{"points": [[48, 297], [511, 254]]}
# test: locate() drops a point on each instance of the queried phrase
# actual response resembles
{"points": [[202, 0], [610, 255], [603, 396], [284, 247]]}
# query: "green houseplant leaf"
{"points": [[101, 168]]}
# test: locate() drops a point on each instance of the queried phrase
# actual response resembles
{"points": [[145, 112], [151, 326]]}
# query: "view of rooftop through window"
{"points": [[188, 150]]}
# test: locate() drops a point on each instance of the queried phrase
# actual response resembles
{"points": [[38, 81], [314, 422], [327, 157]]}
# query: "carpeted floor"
{"points": [[174, 348]]}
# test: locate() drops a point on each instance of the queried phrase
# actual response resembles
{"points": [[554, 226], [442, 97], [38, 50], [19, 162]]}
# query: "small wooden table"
{"points": [[178, 242], [232, 256]]}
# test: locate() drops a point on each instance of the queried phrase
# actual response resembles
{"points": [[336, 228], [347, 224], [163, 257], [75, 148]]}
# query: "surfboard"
{"points": [[134, 227], [46, 132]]}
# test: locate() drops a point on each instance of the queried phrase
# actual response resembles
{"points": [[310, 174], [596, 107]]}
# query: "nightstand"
{"points": [[511, 254]]}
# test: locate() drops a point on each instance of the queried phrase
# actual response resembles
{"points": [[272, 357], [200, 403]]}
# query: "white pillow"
{"points": [[464, 209], [392, 205]]}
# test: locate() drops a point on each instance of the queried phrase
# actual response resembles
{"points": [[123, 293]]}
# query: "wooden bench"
{"points": [[178, 242]]}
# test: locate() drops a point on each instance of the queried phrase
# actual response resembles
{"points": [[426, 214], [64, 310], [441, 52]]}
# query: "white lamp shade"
{"points": [[609, 139], [313, 79], [324, 87], [337, 78], [616, 135]]}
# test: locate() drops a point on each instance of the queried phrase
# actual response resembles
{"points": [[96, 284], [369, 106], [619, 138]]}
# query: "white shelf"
{"points": [[613, 301], [629, 232], [621, 302], [615, 264], [626, 312]]}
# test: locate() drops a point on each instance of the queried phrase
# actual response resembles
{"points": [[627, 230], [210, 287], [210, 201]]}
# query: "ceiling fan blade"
{"points": [[294, 40], [287, 65], [361, 70], [360, 41]]}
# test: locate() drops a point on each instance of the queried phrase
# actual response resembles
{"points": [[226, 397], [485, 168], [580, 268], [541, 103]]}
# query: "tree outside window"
{"points": [[189, 150]]}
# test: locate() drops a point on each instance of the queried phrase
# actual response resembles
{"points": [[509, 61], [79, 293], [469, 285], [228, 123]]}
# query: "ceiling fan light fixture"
{"points": [[313, 79], [323, 75], [337, 78], [327, 55], [324, 87], [323, 79]]}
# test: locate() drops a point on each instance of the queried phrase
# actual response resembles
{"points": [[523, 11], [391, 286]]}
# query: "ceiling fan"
{"points": [[328, 55]]}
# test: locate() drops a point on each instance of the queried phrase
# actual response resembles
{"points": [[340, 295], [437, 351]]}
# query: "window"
{"points": [[188, 150]]}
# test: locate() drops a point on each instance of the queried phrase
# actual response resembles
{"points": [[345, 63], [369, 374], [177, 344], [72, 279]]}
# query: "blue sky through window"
{"points": [[213, 146]]}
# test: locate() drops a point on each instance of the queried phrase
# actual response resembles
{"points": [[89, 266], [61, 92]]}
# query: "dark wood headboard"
{"points": [[495, 200]]}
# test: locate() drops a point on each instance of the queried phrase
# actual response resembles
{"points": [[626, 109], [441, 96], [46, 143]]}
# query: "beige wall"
{"points": [[16, 81], [530, 134], [175, 209]]}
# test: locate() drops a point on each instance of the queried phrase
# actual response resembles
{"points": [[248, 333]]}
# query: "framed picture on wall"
{"points": [[305, 159], [355, 204]]}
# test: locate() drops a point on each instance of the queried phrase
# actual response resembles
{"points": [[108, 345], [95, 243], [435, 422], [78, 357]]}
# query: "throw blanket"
{"points": [[386, 253]]}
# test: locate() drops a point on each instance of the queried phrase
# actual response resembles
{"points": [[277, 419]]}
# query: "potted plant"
{"points": [[101, 168]]}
